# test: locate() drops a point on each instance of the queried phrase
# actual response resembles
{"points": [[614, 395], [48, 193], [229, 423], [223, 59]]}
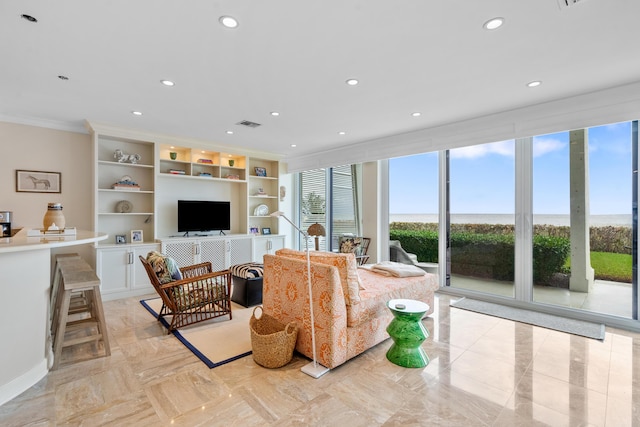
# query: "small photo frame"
{"points": [[136, 236], [266, 231], [261, 172], [120, 239], [38, 182], [254, 230]]}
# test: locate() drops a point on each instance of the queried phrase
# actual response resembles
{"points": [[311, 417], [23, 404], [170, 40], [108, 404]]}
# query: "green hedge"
{"points": [[489, 256]]}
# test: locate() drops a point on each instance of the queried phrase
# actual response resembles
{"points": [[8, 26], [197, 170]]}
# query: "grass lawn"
{"points": [[610, 266]]}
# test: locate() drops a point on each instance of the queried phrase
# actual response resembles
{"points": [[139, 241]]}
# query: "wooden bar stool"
{"points": [[55, 282], [78, 306]]}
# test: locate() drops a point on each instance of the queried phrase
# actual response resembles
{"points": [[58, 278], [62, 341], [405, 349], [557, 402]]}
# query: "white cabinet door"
{"points": [[121, 272], [266, 245], [213, 250], [138, 275], [185, 252], [238, 251], [112, 266]]}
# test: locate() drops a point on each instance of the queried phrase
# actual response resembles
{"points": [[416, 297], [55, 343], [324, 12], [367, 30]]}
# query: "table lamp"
{"points": [[316, 230], [313, 369]]}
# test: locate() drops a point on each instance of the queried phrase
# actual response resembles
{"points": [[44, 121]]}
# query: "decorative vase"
{"points": [[173, 155], [54, 216], [231, 162]]}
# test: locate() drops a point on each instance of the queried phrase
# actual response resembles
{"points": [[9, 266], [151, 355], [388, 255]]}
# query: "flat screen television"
{"points": [[203, 216]]}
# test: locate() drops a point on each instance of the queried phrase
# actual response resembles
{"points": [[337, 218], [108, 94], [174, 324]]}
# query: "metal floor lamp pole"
{"points": [[313, 369]]}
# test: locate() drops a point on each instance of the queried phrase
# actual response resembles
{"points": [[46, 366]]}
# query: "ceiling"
{"points": [[294, 57]]}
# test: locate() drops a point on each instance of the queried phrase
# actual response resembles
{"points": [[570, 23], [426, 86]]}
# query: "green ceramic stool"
{"points": [[408, 333]]}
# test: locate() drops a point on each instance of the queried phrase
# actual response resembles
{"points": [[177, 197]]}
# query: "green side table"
{"points": [[408, 333]]}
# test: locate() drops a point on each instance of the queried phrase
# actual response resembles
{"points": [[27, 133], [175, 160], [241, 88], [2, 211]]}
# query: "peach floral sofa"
{"points": [[350, 309]]}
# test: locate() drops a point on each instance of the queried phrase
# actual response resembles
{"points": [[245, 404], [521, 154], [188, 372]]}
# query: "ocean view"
{"points": [[595, 220]]}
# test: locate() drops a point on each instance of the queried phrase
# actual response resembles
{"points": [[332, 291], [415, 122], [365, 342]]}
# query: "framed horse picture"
{"points": [[38, 182]]}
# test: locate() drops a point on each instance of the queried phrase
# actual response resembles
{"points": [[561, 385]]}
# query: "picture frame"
{"points": [[254, 230], [266, 230], [137, 236], [28, 181], [121, 239], [260, 171]]}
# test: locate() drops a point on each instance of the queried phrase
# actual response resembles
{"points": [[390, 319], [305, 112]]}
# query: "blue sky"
{"points": [[482, 177]]}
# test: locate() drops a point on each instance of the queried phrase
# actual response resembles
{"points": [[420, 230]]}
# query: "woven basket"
{"points": [[272, 341]]}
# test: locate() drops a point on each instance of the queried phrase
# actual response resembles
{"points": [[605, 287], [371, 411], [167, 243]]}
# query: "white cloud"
{"points": [[542, 146], [503, 148]]}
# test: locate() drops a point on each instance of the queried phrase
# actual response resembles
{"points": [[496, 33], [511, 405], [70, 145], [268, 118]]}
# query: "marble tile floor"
{"points": [[484, 371]]}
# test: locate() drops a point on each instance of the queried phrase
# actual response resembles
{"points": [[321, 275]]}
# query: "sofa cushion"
{"points": [[166, 268], [379, 289], [345, 263]]}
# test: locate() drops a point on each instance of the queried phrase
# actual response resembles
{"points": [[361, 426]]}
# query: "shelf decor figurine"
{"points": [[122, 157]]}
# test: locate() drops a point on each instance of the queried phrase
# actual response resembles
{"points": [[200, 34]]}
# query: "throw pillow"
{"points": [[166, 268]]}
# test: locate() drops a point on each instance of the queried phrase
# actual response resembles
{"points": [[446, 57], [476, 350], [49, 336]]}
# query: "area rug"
{"points": [[216, 341], [549, 321]]}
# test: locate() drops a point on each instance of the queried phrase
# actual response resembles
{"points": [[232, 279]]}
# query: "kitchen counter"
{"points": [[25, 266]]}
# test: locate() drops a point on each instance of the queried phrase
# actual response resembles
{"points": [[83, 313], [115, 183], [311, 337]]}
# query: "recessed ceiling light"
{"points": [[28, 18], [229, 132], [136, 113], [61, 77], [228, 21], [352, 82], [493, 23], [167, 82], [534, 83], [342, 133], [293, 145], [275, 113], [416, 114]]}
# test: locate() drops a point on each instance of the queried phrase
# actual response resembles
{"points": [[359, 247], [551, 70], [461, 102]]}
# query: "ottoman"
{"points": [[247, 284]]}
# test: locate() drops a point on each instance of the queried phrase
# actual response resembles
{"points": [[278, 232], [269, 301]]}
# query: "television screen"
{"points": [[203, 215]]}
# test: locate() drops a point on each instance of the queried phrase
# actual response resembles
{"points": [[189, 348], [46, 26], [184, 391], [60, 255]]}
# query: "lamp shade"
{"points": [[316, 230]]}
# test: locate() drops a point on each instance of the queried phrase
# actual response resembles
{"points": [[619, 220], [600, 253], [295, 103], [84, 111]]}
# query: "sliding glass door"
{"points": [[582, 204], [481, 191], [549, 220]]}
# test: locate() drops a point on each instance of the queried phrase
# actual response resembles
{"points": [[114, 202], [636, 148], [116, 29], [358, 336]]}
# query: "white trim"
{"points": [[22, 383]]}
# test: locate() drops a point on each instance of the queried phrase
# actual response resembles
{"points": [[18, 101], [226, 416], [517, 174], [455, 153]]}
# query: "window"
{"points": [[330, 197]]}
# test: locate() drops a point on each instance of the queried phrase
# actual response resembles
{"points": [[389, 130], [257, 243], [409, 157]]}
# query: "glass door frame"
{"points": [[523, 296]]}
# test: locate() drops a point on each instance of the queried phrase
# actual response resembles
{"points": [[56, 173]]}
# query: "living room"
{"points": [[57, 141]]}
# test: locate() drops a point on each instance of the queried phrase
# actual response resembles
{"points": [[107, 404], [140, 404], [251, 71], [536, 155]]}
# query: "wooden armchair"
{"points": [[200, 295], [357, 245]]}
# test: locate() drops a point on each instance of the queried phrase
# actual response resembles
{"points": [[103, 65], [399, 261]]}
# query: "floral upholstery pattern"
{"points": [[342, 331], [346, 264]]}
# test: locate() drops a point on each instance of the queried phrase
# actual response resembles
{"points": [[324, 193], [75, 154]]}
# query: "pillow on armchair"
{"points": [[166, 268]]}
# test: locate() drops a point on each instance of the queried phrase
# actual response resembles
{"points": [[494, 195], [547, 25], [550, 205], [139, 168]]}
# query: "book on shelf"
{"points": [[209, 161], [126, 187], [177, 171]]}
